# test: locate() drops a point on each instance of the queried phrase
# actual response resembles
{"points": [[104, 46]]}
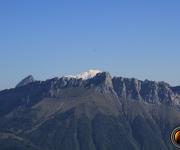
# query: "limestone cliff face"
{"points": [[147, 91]]}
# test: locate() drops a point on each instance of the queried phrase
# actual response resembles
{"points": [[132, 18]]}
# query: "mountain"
{"points": [[90, 111], [26, 80]]}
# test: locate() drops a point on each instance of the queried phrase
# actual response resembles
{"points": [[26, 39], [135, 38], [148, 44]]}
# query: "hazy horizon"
{"points": [[130, 39]]}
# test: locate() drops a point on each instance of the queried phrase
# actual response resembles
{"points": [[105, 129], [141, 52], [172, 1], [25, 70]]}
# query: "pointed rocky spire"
{"points": [[25, 81]]}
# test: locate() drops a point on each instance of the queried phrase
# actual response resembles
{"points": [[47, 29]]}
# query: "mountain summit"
{"points": [[92, 111], [86, 75], [25, 81]]}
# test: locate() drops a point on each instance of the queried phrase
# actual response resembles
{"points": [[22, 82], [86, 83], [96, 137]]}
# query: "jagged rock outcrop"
{"points": [[147, 91], [25, 81]]}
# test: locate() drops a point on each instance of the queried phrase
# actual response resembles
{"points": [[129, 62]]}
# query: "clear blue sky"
{"points": [[131, 38]]}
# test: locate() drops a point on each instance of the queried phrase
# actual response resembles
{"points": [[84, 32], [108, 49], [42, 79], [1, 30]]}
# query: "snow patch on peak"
{"points": [[85, 75], [89, 74]]}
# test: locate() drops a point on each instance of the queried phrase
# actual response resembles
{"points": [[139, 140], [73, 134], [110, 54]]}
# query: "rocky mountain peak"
{"points": [[85, 75], [87, 79], [25, 81]]}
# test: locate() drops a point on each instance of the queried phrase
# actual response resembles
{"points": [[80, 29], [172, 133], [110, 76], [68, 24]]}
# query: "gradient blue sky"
{"points": [[131, 38]]}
